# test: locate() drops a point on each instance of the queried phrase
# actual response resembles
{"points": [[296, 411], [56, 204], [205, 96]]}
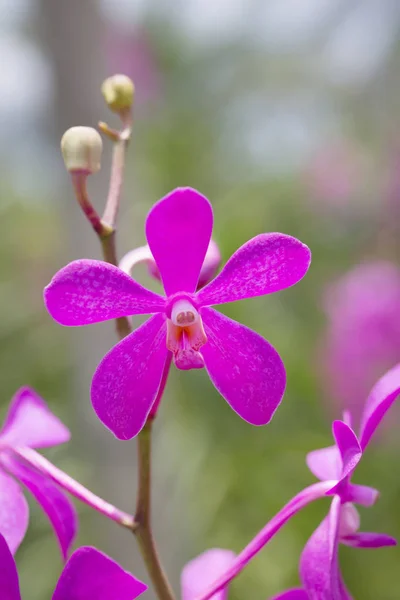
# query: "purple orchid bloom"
{"points": [[362, 338], [245, 368], [30, 424], [319, 566], [200, 572], [334, 466], [88, 575]]}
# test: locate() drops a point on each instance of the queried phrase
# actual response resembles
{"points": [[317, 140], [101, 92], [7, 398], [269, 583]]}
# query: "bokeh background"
{"points": [[286, 115]]}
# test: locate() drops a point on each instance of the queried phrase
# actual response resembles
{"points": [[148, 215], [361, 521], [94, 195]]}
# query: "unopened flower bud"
{"points": [[81, 148], [118, 92]]}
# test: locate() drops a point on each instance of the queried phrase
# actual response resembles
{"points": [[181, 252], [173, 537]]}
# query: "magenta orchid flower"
{"points": [[30, 424], [343, 522], [245, 368], [362, 338], [88, 575], [200, 572], [334, 466]]}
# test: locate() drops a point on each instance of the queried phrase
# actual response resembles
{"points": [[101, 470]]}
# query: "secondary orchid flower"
{"points": [[334, 466], [200, 572], [29, 425], [88, 575], [245, 368], [343, 522]]}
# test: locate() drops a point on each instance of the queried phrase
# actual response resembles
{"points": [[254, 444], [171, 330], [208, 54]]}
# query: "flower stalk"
{"points": [[73, 487], [142, 522]]}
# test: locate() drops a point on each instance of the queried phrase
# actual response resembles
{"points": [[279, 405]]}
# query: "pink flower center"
{"points": [[185, 335]]}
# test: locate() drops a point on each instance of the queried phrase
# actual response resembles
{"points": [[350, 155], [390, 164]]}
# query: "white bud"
{"points": [[81, 148], [118, 92]]}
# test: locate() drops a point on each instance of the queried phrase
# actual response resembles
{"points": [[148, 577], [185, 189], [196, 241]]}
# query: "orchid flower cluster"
{"points": [[127, 388]]}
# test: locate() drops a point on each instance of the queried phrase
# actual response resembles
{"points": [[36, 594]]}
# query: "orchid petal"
{"points": [[368, 540], [91, 575], [382, 396], [325, 463], [202, 571], [14, 512], [126, 382], [348, 446], [178, 231], [210, 265], [268, 263], [295, 594], [55, 504], [29, 422], [246, 370], [91, 291], [9, 584], [319, 571], [360, 494]]}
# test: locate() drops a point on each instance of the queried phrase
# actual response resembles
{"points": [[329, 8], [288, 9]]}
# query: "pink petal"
{"points": [[348, 446], [14, 512], [325, 463], [319, 570], [246, 370], [178, 231], [9, 584], [202, 571], [296, 594], [29, 422], [90, 291], [360, 494], [91, 575], [265, 264], [368, 540], [210, 265], [126, 382], [56, 506], [382, 396]]}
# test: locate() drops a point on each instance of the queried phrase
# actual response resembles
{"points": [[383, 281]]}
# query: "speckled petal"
{"points": [[265, 264], [246, 370], [178, 230], [55, 504], [126, 381], [200, 573], [9, 584], [91, 575], [368, 540], [381, 398], [91, 291], [14, 512], [319, 570], [29, 422]]}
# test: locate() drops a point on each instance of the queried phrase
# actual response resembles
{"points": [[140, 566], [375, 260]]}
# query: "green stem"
{"points": [[143, 529]]}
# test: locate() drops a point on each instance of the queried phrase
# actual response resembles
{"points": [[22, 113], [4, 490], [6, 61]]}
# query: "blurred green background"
{"points": [[285, 115]]}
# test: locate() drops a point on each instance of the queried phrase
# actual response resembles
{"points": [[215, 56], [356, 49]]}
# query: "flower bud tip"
{"points": [[118, 92], [81, 148]]}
